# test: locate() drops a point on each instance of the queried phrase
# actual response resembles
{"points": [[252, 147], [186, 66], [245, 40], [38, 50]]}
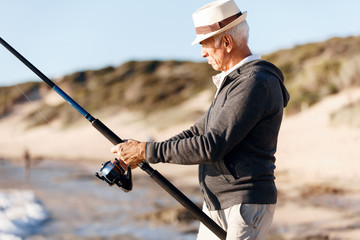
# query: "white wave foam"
{"points": [[20, 214]]}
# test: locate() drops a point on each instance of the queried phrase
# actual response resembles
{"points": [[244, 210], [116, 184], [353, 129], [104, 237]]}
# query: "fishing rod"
{"points": [[112, 172]]}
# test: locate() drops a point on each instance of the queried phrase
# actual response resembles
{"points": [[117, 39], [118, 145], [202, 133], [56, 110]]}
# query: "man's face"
{"points": [[215, 56]]}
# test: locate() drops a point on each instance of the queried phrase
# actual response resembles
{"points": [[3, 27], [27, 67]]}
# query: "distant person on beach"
{"points": [[234, 142], [27, 162]]}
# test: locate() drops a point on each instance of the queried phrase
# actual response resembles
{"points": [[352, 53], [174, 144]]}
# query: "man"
{"points": [[234, 142]]}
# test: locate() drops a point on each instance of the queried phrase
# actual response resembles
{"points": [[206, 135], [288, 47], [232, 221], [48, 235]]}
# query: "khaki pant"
{"points": [[241, 222]]}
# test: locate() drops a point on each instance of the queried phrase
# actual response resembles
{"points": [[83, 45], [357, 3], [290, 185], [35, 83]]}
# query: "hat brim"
{"points": [[202, 37]]}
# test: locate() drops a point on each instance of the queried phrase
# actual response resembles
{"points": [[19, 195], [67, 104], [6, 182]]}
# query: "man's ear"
{"points": [[228, 42]]}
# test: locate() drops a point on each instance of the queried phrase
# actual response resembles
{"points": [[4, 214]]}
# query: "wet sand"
{"points": [[84, 207]]}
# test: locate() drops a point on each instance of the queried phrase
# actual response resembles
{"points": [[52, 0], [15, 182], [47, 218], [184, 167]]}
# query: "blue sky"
{"points": [[61, 37]]}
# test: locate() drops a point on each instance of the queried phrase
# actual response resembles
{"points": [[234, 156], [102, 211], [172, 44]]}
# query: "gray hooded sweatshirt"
{"points": [[234, 142]]}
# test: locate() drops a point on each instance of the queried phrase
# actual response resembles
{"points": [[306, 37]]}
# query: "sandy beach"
{"points": [[317, 174]]}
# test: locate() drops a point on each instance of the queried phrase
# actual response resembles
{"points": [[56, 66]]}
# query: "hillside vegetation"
{"points": [[138, 86], [316, 70], [312, 71]]}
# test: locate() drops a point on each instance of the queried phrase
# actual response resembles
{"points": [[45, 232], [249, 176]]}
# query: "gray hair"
{"points": [[240, 34]]}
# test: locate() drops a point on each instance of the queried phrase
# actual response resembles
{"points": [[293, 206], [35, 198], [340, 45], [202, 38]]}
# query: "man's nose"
{"points": [[204, 53]]}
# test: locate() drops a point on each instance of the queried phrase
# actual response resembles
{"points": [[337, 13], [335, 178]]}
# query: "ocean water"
{"points": [[62, 200]]}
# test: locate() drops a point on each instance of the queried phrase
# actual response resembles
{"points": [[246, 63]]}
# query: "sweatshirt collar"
{"points": [[219, 78]]}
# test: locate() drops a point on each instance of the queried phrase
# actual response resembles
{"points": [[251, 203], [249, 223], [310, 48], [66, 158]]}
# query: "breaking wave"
{"points": [[21, 214]]}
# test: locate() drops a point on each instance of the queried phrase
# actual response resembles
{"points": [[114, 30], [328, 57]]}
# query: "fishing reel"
{"points": [[114, 173]]}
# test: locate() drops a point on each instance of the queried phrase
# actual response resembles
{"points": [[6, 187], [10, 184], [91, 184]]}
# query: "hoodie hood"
{"points": [[271, 68]]}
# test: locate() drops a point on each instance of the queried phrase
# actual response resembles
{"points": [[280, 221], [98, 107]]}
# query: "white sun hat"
{"points": [[216, 17]]}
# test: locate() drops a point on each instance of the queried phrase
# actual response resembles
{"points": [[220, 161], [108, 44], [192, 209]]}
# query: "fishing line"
{"points": [[48, 122], [33, 104]]}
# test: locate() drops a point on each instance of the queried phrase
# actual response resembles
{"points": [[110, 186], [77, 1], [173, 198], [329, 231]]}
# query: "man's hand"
{"points": [[131, 152]]}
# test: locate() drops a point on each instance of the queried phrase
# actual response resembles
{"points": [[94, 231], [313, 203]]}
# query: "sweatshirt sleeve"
{"points": [[244, 106]]}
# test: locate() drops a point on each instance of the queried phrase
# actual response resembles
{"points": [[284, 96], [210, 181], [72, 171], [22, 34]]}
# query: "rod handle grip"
{"points": [[106, 132], [183, 200]]}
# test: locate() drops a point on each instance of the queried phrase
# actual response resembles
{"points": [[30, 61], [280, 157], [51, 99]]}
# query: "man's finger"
{"points": [[123, 164], [115, 149]]}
